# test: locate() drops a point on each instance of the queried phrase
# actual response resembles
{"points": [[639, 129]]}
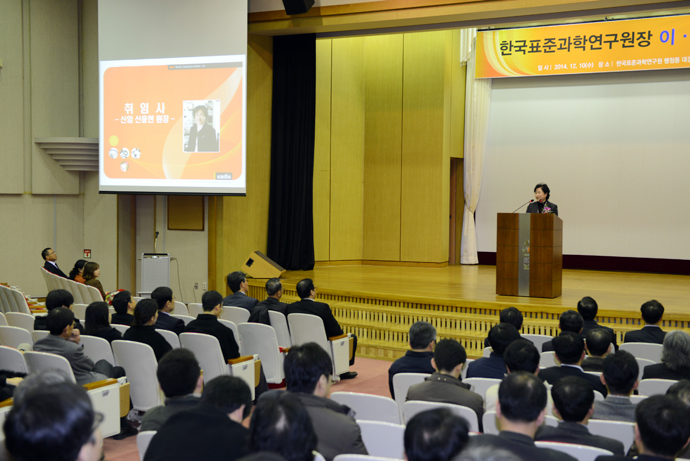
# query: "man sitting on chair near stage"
{"points": [[418, 359], [237, 282], [569, 320], [652, 311]]}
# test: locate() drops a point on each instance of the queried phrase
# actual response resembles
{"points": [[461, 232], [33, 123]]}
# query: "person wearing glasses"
{"points": [[49, 256]]}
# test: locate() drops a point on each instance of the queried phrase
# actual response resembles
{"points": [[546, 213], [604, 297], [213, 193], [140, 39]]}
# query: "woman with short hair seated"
{"points": [[675, 358]]}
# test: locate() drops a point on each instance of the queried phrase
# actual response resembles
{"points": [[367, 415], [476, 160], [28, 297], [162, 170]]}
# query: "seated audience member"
{"points": [[163, 296], [77, 271], [445, 385], [207, 323], [570, 352], [573, 400], [675, 358], [652, 311], [308, 305], [308, 371], [237, 282], [486, 453], [418, 359], [274, 290], [588, 308], [681, 390], [211, 431], [91, 273], [509, 315], [620, 372], [500, 337], [144, 328], [49, 256], [179, 376], [9, 380], [55, 422], [435, 435], [124, 309], [569, 321], [57, 298], [597, 345], [521, 410], [281, 424], [98, 324]]}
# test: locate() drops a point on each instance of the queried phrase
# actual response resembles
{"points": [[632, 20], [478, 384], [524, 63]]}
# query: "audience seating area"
{"points": [[83, 294]]}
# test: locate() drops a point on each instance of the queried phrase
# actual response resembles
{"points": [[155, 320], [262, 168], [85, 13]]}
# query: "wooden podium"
{"points": [[529, 255]]}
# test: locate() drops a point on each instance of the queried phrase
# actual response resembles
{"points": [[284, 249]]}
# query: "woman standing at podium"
{"points": [[542, 205]]}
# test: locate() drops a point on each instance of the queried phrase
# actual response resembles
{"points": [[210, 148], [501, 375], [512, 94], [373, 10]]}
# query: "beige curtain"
{"points": [[477, 99]]}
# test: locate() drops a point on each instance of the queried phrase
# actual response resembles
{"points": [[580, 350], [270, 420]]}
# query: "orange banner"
{"points": [[610, 46]]}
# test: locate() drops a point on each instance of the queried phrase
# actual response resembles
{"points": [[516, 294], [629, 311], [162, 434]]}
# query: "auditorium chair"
{"points": [[356, 458], [140, 363], [14, 336], [279, 324], [647, 351], [143, 441], [79, 311], [39, 334], [307, 328], [547, 359], [487, 352], [579, 452], [401, 383], [185, 318], [171, 337], [369, 407], [97, 348], [13, 360], [412, 407], [618, 430], [180, 309], [537, 340], [236, 315], [3, 319], [259, 339], [21, 320], [195, 309], [480, 385], [383, 439], [655, 386], [120, 328], [641, 363]]}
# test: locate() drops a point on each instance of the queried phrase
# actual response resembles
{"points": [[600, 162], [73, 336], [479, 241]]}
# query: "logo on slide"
{"points": [[223, 175]]}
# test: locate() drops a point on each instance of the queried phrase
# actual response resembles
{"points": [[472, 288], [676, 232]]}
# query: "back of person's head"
{"points": [[435, 435], [210, 300], [449, 354], [421, 335], [501, 335], [521, 355], [281, 424], [227, 393], [652, 311], [569, 347], [598, 342], [121, 302], [663, 423], [89, 269], [620, 372], [588, 308], [96, 317], [79, 265], [681, 390], [36, 380], [486, 453], [58, 319], [59, 298], [145, 310], [522, 397], [52, 422], [571, 320], [235, 279], [676, 351], [512, 316], [178, 372], [573, 397], [161, 296], [304, 288], [45, 253], [273, 286], [304, 366]]}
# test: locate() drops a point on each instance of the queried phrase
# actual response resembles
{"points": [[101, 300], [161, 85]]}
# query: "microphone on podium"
{"points": [[529, 201]]}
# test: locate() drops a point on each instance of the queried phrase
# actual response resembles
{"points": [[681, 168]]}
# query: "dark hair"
{"points": [[210, 300], [178, 372], [501, 335], [449, 354], [273, 286], [89, 268], [573, 397], [77, 267], [144, 311], [421, 335], [96, 317], [522, 397], [121, 302], [304, 288], [569, 347], [681, 390], [202, 108], [588, 308], [235, 279], [597, 341], [435, 435], [512, 316], [59, 298], [52, 422], [521, 355], [227, 393], [571, 320], [544, 188], [44, 253], [620, 372], [663, 424], [652, 311], [304, 366], [58, 319], [161, 296], [281, 424]]}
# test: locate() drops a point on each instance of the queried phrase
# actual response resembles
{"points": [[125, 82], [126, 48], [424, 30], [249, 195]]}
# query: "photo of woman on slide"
{"points": [[202, 135]]}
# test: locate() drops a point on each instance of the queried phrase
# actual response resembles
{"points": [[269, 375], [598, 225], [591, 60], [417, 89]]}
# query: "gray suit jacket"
{"points": [[239, 299], [615, 408], [82, 366]]}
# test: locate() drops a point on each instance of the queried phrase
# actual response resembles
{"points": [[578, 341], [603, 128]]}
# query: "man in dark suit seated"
{"points": [[207, 323], [509, 315], [570, 352], [500, 337], [308, 305], [166, 304], [237, 282], [422, 339], [597, 345], [620, 378], [274, 290], [652, 311], [435, 434], [49, 256], [521, 410], [57, 298], [588, 308], [569, 320], [573, 400]]}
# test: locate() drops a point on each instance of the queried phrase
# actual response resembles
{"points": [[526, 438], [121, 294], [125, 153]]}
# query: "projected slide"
{"points": [[173, 125]]}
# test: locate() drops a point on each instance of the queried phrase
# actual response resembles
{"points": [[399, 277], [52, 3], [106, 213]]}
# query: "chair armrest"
{"points": [[257, 372], [335, 338], [7, 403], [124, 400], [244, 358], [101, 383], [283, 350]]}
